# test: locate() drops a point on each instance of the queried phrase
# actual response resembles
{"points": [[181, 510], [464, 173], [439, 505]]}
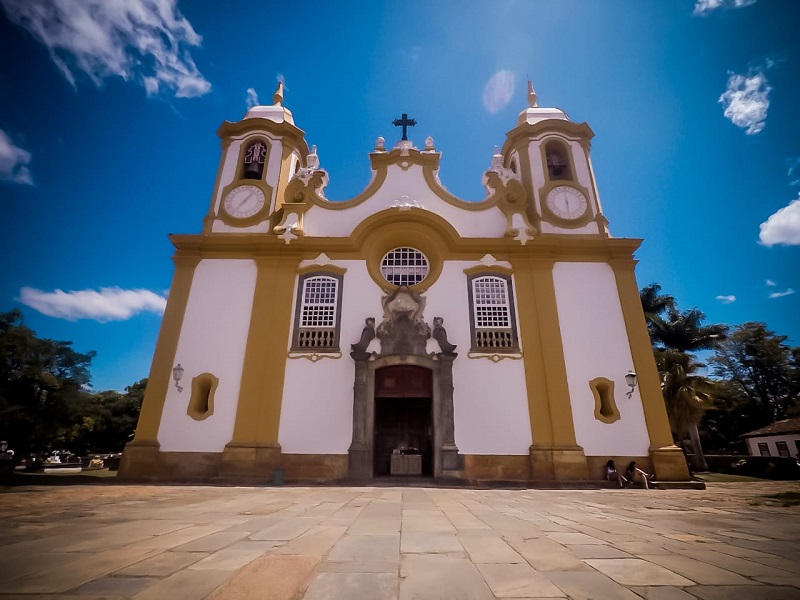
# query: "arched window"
{"points": [[558, 163], [318, 312], [492, 314], [253, 161]]}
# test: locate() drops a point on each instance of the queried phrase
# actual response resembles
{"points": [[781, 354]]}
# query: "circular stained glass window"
{"points": [[404, 266]]}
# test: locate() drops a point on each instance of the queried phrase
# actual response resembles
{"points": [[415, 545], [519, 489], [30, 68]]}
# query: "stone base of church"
{"points": [[144, 461], [250, 463], [669, 464], [558, 463], [314, 468], [497, 467]]}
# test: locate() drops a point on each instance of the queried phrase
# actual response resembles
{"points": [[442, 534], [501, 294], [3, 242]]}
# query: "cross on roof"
{"points": [[404, 122]]}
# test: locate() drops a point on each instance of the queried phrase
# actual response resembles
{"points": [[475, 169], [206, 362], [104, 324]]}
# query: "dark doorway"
{"points": [[403, 416]]}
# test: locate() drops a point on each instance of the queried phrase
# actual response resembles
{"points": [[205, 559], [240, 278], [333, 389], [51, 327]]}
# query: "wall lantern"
{"points": [[177, 374], [630, 379]]}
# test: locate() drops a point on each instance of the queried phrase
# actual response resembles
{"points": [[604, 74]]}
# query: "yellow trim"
{"points": [[610, 409], [286, 131], [195, 408], [526, 132], [259, 407], [548, 215], [283, 177], [494, 357], [488, 269], [381, 232], [243, 146], [566, 147], [160, 376], [314, 356], [324, 268], [655, 412], [265, 188], [545, 367]]}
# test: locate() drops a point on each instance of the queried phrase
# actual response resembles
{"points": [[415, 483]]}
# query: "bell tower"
{"points": [[550, 153], [260, 154]]}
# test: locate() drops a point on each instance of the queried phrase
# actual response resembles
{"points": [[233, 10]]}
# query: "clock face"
{"points": [[566, 202], [244, 201]]}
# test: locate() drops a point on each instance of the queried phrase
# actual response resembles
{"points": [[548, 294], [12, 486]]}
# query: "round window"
{"points": [[404, 266]]}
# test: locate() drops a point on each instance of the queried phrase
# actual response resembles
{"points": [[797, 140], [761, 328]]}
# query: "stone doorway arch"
{"points": [[446, 461]]}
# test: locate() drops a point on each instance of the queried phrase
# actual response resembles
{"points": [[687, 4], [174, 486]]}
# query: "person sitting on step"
{"points": [[613, 475]]}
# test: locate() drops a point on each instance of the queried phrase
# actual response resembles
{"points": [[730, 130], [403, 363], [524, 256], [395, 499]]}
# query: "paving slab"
{"points": [[428, 576], [348, 586], [518, 581], [635, 571], [193, 542]]}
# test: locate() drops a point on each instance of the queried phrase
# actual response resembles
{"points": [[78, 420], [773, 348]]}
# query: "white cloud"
{"points": [[140, 40], [786, 292], [746, 102], [252, 98], [793, 171], [498, 91], [703, 7], [107, 304], [14, 161], [782, 227], [726, 299], [771, 283]]}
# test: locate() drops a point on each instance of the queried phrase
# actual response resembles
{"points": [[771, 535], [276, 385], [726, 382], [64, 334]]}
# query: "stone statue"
{"points": [[359, 350], [440, 335]]}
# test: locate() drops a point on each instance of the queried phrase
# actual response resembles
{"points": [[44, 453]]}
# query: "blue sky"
{"points": [[109, 111]]}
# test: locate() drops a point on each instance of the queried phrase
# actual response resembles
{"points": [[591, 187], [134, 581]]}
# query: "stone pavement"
{"points": [[226, 543]]}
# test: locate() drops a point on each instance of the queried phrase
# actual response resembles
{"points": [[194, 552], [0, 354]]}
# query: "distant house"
{"points": [[778, 439]]}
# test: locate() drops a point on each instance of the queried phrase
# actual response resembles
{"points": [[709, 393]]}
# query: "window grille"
{"points": [[783, 449], [492, 321], [404, 266], [317, 327]]}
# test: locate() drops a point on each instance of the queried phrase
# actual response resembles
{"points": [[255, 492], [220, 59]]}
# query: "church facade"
{"points": [[403, 331]]}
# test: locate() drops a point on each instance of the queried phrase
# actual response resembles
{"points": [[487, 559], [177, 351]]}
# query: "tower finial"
{"points": [[531, 95], [277, 97]]}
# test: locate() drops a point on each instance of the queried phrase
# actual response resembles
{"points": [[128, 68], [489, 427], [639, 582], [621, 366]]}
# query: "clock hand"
{"points": [[244, 200]]}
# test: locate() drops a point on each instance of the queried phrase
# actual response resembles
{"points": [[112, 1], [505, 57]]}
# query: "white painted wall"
{"points": [[596, 345], [490, 400], [213, 339], [319, 221], [772, 441], [317, 405]]}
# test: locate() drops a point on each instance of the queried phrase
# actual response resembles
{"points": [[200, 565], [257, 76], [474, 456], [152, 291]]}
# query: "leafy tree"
{"points": [[762, 374], [44, 403], [40, 380]]}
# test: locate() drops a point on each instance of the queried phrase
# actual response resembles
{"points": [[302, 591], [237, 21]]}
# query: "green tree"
{"points": [[41, 380], [762, 374]]}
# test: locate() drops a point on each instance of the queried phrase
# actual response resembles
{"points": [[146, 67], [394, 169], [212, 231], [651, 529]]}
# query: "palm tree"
{"points": [[687, 397], [654, 302], [676, 335]]}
